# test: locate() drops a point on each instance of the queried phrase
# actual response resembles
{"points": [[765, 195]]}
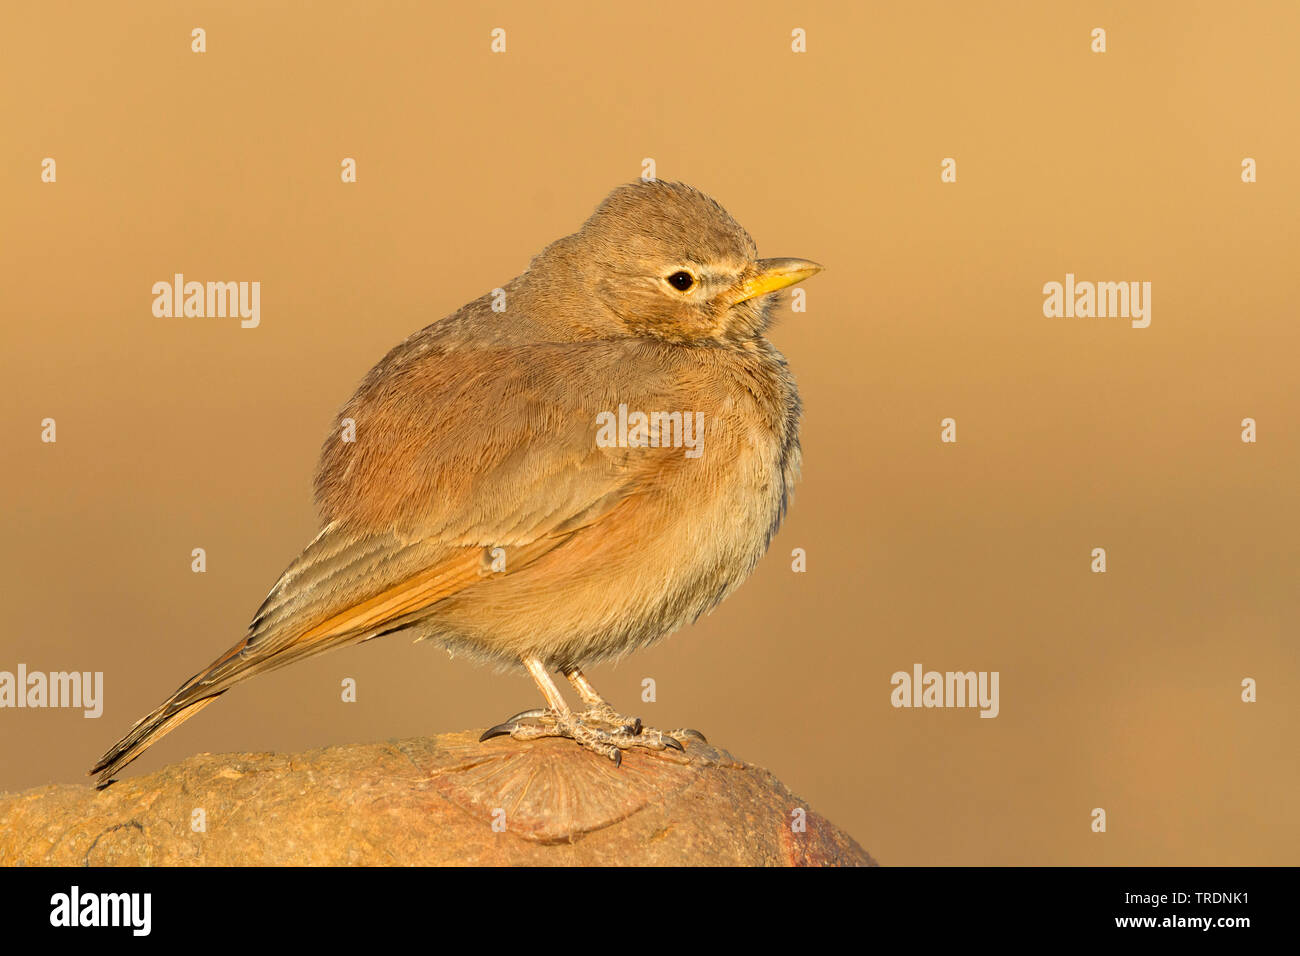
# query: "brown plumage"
{"points": [[476, 442]]}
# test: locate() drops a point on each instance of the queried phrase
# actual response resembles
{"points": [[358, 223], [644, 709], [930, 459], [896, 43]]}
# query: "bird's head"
{"points": [[666, 261]]}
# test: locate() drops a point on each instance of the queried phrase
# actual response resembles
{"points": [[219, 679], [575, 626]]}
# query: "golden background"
{"points": [[1119, 691]]}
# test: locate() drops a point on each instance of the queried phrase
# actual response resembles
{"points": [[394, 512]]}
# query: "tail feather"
{"points": [[286, 629], [165, 719]]}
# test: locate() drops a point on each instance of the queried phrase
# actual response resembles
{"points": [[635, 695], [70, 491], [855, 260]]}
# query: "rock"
{"points": [[428, 801]]}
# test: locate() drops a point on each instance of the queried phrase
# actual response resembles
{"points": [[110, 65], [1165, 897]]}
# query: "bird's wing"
{"points": [[457, 451], [454, 455]]}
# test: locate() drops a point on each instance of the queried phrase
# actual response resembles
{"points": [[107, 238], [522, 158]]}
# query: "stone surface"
{"points": [[428, 801]]}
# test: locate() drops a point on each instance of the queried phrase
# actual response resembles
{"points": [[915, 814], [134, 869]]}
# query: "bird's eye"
{"points": [[681, 280]]}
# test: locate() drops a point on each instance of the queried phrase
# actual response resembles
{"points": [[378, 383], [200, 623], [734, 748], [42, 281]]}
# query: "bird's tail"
{"points": [[147, 730], [291, 626], [167, 717]]}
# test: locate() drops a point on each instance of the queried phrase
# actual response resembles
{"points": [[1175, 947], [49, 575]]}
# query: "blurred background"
{"points": [[1119, 690]]}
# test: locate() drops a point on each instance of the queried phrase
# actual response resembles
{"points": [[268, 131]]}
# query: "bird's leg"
{"points": [[597, 706], [556, 709], [556, 720], [547, 686], [599, 728]]}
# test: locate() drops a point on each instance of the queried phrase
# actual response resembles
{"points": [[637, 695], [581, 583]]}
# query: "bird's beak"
{"points": [[774, 274]]}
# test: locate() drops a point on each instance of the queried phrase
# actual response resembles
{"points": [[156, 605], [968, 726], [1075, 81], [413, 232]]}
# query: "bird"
{"points": [[566, 469]]}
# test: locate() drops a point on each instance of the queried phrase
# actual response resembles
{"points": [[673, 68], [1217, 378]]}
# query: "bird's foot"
{"points": [[600, 729], [631, 728]]}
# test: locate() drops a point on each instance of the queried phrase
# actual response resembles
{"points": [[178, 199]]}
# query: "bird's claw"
{"points": [[633, 729], [508, 725]]}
